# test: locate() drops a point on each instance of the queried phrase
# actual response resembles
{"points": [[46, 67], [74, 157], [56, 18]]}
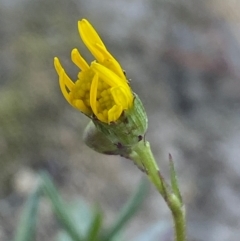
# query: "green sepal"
{"points": [[129, 129], [97, 141]]}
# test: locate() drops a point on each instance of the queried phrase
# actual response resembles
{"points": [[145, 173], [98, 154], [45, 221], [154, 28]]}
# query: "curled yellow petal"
{"points": [[61, 72], [101, 117], [120, 96], [79, 60], [62, 78], [93, 94], [107, 75], [89, 36], [114, 113], [57, 65], [79, 104], [109, 61]]}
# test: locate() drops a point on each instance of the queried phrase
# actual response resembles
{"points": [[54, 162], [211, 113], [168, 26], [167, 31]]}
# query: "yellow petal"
{"points": [[93, 94], [101, 117], [79, 60], [120, 96], [110, 62], [107, 75], [61, 72], [63, 86], [57, 65], [114, 113], [79, 104], [90, 38]]}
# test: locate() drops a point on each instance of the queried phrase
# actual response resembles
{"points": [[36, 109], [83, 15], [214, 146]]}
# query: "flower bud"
{"points": [[102, 92]]}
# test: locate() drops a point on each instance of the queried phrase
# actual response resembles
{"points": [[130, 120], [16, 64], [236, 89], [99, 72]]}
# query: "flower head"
{"points": [[101, 90]]}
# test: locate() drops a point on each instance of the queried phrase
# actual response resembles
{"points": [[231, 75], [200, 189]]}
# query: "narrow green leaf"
{"points": [[60, 208], [174, 180], [95, 226], [27, 225], [128, 210]]}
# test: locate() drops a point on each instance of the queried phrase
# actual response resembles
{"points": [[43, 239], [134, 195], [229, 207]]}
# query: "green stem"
{"points": [[178, 214], [142, 155]]}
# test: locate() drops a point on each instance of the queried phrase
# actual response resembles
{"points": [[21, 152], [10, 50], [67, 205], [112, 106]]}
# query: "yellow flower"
{"points": [[101, 90]]}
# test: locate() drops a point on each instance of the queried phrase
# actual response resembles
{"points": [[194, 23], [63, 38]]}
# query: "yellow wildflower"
{"points": [[101, 90]]}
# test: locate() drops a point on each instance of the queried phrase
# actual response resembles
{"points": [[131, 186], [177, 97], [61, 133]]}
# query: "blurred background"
{"points": [[183, 59]]}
